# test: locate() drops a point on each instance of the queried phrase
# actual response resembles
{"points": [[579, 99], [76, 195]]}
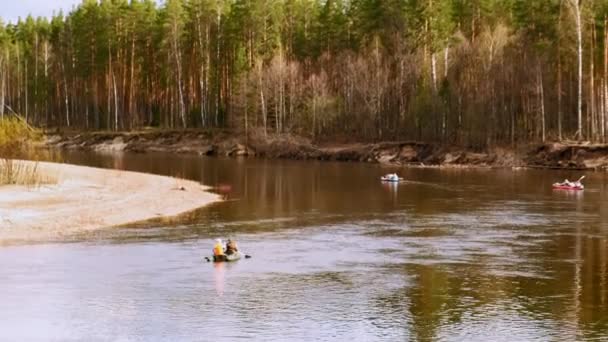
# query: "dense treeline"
{"points": [[472, 72]]}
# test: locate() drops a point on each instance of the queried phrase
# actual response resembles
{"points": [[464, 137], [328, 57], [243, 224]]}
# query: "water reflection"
{"points": [[392, 188], [218, 277], [575, 194]]}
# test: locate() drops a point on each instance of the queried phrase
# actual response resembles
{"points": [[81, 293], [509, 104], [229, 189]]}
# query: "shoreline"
{"points": [[563, 156], [85, 199]]}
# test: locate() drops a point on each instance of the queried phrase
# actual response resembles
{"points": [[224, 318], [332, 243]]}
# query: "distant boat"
{"points": [[391, 178], [567, 185], [228, 257], [562, 186]]}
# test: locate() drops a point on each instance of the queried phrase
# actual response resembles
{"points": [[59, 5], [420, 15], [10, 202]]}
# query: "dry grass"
{"points": [[15, 136], [15, 133], [13, 172]]}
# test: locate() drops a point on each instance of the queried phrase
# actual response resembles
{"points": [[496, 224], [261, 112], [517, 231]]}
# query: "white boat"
{"points": [[391, 178], [228, 258]]}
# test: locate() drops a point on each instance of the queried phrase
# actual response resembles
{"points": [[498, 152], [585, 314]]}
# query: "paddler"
{"points": [[231, 247], [566, 182], [218, 249]]}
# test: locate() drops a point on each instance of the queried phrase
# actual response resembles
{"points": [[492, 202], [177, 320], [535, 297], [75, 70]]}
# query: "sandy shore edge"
{"points": [[85, 199]]}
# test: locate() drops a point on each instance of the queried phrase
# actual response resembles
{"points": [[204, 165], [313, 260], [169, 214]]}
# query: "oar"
{"points": [[580, 179]]}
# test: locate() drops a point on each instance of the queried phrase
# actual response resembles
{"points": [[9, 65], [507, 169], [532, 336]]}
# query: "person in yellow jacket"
{"points": [[218, 250]]}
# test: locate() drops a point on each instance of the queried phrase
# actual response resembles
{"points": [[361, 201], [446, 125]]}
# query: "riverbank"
{"points": [[576, 156], [85, 199]]}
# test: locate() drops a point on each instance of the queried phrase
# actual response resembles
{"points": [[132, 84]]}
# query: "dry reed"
{"points": [[14, 172], [15, 135]]}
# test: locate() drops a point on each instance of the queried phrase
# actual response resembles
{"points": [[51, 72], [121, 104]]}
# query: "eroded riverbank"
{"points": [[86, 198], [575, 156]]}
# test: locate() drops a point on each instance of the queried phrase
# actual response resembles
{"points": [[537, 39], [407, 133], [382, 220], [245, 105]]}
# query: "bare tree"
{"points": [[575, 6], [2, 84], [260, 72], [320, 101]]}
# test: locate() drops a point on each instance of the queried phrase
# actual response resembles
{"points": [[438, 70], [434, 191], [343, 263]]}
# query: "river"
{"points": [[448, 255]]}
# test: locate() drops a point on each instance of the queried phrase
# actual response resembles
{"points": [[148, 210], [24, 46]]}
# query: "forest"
{"points": [[464, 72]]}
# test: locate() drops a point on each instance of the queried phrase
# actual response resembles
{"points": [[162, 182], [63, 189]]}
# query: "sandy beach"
{"points": [[85, 199]]}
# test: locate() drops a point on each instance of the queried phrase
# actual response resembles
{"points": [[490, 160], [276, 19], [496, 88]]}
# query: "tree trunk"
{"points": [[542, 101], [202, 68], [26, 81], [262, 102], [202, 73], [559, 94], [201, 81], [605, 88], [446, 56], [36, 78], [94, 86], [3, 71], [207, 73], [109, 88], [65, 90], [115, 103], [579, 48], [314, 106], [131, 101], [281, 88], [218, 68], [378, 99], [434, 71], [602, 110], [46, 75], [592, 111], [19, 83], [86, 105], [246, 97], [178, 62]]}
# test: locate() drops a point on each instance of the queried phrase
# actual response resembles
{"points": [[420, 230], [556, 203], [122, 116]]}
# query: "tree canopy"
{"points": [[476, 73]]}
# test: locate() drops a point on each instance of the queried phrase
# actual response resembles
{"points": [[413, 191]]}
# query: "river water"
{"points": [[448, 255]]}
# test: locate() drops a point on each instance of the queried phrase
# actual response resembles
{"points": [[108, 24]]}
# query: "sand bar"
{"points": [[86, 198]]}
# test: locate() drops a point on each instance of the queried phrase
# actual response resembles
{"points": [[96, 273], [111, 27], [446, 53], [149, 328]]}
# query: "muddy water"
{"points": [[448, 255]]}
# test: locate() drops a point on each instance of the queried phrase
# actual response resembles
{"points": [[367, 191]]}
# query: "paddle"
{"points": [[580, 179]]}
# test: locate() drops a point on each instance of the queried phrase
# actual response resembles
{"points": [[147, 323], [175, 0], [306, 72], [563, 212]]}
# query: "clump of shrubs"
{"points": [[15, 136]]}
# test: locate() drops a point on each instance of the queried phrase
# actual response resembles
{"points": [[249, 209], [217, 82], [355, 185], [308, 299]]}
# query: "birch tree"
{"points": [[575, 6]]}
